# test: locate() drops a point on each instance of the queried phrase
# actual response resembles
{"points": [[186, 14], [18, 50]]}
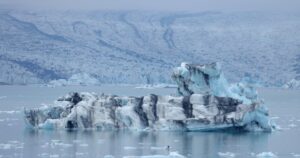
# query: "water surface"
{"points": [[16, 141]]}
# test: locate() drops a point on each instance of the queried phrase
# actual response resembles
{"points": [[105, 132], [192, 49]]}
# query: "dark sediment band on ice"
{"points": [[205, 102]]}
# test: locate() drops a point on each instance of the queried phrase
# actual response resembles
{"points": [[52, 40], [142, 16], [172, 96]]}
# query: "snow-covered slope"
{"points": [[141, 47]]}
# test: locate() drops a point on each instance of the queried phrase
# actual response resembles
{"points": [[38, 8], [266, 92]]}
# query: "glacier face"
{"points": [[201, 110], [40, 46]]}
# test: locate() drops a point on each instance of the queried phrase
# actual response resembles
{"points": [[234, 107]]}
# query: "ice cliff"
{"points": [[205, 102]]}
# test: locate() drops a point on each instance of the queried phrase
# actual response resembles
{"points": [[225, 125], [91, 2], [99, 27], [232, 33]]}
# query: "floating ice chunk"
{"points": [[292, 125], [206, 102], [292, 84], [175, 155], [82, 79], [157, 148], [3, 97], [54, 156], [295, 155], [266, 155], [45, 145], [64, 145], [11, 145], [83, 145], [275, 117], [10, 112], [130, 148], [5, 146], [86, 110], [154, 86], [43, 155], [80, 154], [226, 154], [171, 155]]}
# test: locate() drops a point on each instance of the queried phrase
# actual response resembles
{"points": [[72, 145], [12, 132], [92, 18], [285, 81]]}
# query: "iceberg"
{"points": [[226, 154], [266, 155], [205, 102], [82, 79], [292, 84]]}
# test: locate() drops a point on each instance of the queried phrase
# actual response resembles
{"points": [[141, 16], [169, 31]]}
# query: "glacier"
{"points": [[38, 46], [205, 102]]}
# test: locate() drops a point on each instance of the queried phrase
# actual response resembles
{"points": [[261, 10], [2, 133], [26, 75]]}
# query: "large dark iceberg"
{"points": [[205, 102]]}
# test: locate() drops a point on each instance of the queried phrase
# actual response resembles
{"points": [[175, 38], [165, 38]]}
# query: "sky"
{"points": [[154, 5]]}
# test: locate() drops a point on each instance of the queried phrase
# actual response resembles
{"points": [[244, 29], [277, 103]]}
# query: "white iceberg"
{"points": [[154, 86], [266, 155], [206, 102], [226, 154], [292, 84], [82, 79]]}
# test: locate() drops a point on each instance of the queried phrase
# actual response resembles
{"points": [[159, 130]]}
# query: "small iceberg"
{"points": [[227, 154], [80, 79], [171, 155], [292, 84], [266, 155]]}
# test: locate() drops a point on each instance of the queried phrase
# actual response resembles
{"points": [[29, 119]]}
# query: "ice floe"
{"points": [[171, 155], [266, 155], [10, 112], [226, 154], [3, 97]]}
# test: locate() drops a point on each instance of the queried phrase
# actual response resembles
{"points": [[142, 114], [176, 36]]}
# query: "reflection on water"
{"points": [[121, 143]]}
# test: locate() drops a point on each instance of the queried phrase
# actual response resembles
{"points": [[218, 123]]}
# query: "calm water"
{"points": [[18, 141]]}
